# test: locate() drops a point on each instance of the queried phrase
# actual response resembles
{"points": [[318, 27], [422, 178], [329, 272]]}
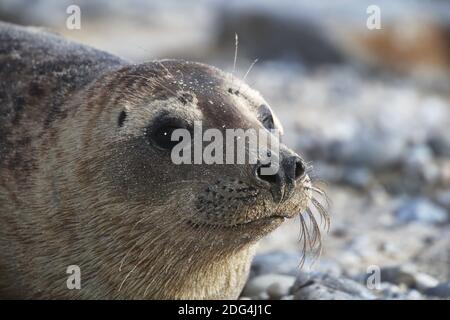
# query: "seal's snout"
{"points": [[282, 183]]}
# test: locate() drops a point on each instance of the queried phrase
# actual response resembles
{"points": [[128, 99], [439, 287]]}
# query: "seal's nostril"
{"points": [[300, 169], [270, 178]]}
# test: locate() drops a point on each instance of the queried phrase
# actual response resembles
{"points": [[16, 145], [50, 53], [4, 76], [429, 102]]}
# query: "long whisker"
{"points": [[246, 74], [303, 240], [323, 213], [249, 69], [236, 45], [322, 193]]}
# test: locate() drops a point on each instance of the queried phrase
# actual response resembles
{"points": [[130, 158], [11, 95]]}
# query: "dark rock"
{"points": [[270, 36], [440, 144], [442, 290], [409, 276]]}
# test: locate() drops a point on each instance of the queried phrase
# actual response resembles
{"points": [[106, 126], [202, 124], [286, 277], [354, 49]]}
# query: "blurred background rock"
{"points": [[369, 108]]}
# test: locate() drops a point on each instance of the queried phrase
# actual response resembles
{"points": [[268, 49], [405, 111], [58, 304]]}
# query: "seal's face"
{"points": [[210, 204]]}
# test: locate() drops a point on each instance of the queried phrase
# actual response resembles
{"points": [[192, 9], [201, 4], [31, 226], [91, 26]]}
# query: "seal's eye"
{"points": [[162, 136], [159, 133]]}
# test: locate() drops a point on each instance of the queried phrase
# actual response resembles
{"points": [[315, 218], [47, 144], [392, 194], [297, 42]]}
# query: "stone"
{"points": [[357, 177], [279, 262], [320, 292], [393, 292], [398, 275], [424, 281], [409, 276], [279, 289], [317, 285], [274, 36], [443, 198], [442, 291], [260, 284], [421, 210]]}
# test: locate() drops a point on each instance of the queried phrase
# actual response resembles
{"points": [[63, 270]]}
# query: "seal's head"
{"points": [[190, 208]]}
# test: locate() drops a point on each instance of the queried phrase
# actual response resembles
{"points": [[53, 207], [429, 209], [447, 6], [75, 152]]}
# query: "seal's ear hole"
{"points": [[121, 119]]}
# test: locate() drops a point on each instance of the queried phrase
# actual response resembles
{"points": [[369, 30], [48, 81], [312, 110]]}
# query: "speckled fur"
{"points": [[77, 188]]}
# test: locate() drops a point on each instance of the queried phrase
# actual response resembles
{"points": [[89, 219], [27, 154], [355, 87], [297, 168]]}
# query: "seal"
{"points": [[86, 176]]}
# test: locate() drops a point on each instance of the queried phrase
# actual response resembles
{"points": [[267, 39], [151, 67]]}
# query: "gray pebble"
{"points": [[279, 262], [259, 285], [280, 289], [409, 276], [328, 285], [443, 198], [393, 292], [442, 291], [421, 210], [320, 292]]}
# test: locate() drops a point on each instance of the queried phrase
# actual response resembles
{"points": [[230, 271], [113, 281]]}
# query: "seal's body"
{"points": [[86, 176]]}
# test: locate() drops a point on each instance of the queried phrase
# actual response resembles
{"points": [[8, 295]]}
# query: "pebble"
{"points": [[421, 210], [288, 263], [321, 292], [280, 289], [317, 285], [357, 177], [394, 292], [419, 165], [440, 144], [409, 276], [425, 281], [443, 198], [442, 291], [279, 262], [279, 284]]}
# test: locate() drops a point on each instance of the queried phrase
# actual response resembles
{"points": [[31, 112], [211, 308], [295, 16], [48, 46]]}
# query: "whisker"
{"points": [[249, 69], [246, 74], [323, 194], [303, 240], [323, 213], [311, 237], [236, 45], [316, 238]]}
